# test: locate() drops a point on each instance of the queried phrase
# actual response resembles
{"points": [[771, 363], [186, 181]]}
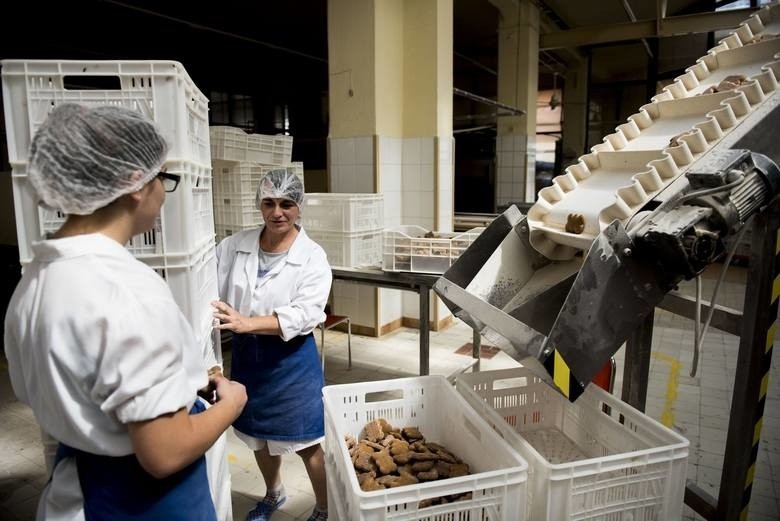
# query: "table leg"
{"points": [[476, 348], [424, 331]]}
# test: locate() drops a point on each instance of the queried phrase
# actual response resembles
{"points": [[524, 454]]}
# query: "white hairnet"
{"points": [[280, 184], [83, 158]]}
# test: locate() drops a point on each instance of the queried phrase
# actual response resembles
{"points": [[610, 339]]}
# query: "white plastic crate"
{"points": [[595, 459], [348, 213], [405, 248], [161, 90], [225, 231], [193, 283], [185, 224], [234, 186], [242, 178], [349, 250], [234, 144], [499, 474]]}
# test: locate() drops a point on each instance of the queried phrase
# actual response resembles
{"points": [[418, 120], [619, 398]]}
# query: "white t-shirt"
{"points": [[94, 340]]}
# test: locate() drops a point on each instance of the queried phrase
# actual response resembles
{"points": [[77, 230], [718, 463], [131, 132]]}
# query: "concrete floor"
{"points": [[697, 407]]}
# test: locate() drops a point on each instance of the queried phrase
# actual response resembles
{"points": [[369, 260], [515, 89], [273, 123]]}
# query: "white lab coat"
{"points": [[94, 340], [296, 289]]}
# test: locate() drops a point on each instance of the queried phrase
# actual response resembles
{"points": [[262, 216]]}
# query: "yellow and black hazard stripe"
{"points": [[766, 365], [562, 376]]}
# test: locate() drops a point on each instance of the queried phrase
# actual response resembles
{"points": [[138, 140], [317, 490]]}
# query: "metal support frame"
{"points": [[753, 365], [669, 26], [420, 283], [756, 328], [636, 370]]}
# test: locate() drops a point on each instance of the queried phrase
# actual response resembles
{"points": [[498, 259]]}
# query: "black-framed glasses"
{"points": [[169, 181]]}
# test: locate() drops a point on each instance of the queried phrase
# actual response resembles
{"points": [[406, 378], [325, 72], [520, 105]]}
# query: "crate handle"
{"points": [[510, 383], [384, 396], [92, 83]]}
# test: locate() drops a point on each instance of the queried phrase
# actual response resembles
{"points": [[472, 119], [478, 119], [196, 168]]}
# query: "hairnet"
{"points": [[83, 158], [280, 184]]}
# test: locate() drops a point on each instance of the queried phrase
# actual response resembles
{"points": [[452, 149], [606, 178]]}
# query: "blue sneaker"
{"points": [[318, 515], [266, 507]]}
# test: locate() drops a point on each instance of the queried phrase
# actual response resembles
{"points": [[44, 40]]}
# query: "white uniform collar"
{"points": [[298, 253], [86, 244]]}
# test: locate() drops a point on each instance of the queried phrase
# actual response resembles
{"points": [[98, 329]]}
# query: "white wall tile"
{"points": [[347, 179], [391, 150], [445, 177], [390, 178], [365, 184], [411, 178], [445, 150], [364, 151], [390, 307], [426, 205], [411, 151], [346, 151], [411, 304], [426, 178], [426, 151], [410, 204], [364, 179]]}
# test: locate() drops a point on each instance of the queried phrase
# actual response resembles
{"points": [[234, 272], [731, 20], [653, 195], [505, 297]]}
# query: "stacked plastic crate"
{"points": [[240, 160], [347, 226], [180, 247]]}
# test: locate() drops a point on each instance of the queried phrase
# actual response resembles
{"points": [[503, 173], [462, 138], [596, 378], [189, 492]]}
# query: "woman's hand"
{"points": [[230, 318]]}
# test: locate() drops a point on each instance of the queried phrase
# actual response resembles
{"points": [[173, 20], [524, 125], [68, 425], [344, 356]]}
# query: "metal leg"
{"points": [[424, 332], [753, 365], [322, 348], [476, 348], [636, 370], [349, 343]]}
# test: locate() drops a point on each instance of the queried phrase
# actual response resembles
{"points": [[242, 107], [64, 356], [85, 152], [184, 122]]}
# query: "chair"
{"points": [[332, 321]]}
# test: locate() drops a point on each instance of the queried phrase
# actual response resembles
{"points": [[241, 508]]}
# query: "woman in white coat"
{"points": [[96, 344], [273, 285]]}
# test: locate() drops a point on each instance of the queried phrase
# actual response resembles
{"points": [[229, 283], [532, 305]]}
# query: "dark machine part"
{"points": [[625, 275]]}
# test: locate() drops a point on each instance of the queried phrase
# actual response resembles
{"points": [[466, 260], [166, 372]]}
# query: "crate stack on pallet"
{"points": [[180, 247], [239, 161], [347, 226]]}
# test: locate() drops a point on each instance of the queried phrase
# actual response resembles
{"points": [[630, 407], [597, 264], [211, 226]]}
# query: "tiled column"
{"points": [[390, 64], [518, 55]]}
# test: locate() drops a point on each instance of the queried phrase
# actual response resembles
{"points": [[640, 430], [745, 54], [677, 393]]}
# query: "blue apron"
{"points": [[119, 489], [283, 382]]}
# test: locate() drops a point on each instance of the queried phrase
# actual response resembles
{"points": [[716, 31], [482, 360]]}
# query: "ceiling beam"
{"points": [[670, 26]]}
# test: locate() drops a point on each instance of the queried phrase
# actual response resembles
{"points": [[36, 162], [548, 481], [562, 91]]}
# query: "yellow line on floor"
{"points": [[667, 416]]}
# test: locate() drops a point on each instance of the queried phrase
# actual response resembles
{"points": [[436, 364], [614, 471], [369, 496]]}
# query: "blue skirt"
{"points": [[284, 387], [119, 489]]}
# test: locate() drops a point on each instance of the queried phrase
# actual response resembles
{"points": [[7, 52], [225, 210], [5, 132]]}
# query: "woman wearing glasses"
{"points": [[96, 344], [274, 282]]}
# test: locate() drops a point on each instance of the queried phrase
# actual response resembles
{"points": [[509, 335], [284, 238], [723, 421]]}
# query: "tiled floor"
{"points": [[697, 407]]}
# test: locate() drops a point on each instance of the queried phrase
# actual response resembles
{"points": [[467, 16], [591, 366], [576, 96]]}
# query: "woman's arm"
{"points": [[168, 443], [236, 322]]}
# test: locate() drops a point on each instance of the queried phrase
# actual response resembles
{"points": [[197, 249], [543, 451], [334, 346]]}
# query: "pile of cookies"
{"points": [[386, 457]]}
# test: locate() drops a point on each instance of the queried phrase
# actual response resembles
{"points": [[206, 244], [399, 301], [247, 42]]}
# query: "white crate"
{"points": [[234, 186], [405, 248], [498, 476], [347, 213], [242, 178], [225, 231], [161, 90], [349, 250], [185, 224], [193, 283], [595, 459], [233, 144]]}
